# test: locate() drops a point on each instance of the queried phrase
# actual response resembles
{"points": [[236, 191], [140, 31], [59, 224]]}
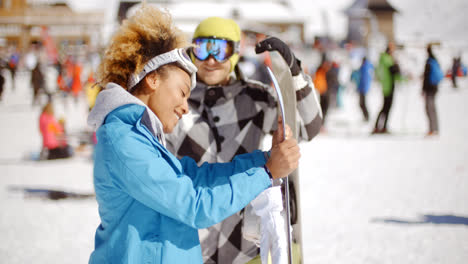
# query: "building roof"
{"points": [[380, 5], [373, 5]]}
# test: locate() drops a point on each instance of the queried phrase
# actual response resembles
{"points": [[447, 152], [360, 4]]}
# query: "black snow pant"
{"points": [[382, 118], [324, 101], [362, 105], [59, 153], [2, 82]]}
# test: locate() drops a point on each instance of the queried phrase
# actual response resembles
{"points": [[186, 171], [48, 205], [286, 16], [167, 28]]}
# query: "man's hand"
{"points": [[273, 43]]}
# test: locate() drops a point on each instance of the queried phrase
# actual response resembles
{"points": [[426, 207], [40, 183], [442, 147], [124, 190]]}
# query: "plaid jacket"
{"points": [[230, 120]]}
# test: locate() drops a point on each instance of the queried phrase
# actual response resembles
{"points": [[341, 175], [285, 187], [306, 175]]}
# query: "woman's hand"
{"points": [[285, 154]]}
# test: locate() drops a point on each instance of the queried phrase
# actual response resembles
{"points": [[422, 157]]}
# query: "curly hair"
{"points": [[146, 34]]}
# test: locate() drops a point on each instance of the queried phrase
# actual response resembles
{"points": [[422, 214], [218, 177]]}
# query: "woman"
{"points": [[151, 203]]}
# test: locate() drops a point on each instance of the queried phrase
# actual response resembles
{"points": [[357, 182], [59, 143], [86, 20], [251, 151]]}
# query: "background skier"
{"points": [[432, 76], [387, 72], [365, 79]]}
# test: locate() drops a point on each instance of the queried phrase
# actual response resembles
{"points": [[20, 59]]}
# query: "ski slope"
{"points": [[398, 198]]}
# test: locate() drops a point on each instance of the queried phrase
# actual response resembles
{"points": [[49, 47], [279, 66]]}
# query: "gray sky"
{"points": [[433, 19]]}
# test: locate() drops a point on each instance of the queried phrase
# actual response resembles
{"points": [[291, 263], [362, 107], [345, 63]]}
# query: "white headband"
{"points": [[176, 55]]}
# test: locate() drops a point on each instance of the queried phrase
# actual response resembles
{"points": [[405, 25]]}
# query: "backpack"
{"points": [[435, 73], [13, 61]]}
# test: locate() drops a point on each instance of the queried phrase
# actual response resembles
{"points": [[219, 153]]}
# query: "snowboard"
{"points": [[287, 92]]}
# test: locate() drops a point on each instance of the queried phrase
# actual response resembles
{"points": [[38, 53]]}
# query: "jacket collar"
{"points": [[203, 93], [113, 97]]}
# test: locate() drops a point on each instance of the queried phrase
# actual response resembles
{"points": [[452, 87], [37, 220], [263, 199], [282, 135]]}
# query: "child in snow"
{"points": [[54, 142]]}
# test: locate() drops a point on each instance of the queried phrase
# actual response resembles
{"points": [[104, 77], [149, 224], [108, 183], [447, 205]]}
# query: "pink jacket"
{"points": [[51, 130]]}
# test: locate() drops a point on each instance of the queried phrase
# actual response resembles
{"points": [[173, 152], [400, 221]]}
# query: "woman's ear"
{"points": [[151, 82]]}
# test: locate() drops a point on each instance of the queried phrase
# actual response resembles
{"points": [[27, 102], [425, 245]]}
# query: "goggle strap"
{"points": [[176, 55], [236, 48]]}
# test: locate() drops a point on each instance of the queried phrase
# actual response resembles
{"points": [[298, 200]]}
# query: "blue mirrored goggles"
{"points": [[220, 49]]}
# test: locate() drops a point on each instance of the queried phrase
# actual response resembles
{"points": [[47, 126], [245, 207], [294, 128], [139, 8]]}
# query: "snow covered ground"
{"points": [[398, 198]]}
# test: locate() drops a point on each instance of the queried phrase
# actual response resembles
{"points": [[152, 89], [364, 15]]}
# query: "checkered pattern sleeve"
{"points": [[309, 112], [265, 99]]}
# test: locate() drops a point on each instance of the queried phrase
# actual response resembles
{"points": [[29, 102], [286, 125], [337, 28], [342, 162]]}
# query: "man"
{"points": [[230, 115], [365, 79], [432, 76], [388, 72]]}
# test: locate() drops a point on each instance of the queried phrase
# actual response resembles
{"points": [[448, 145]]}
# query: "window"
{"points": [[5, 4]]}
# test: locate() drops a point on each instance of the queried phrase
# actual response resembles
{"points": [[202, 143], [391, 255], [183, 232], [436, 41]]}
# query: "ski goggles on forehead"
{"points": [[179, 56], [220, 49]]}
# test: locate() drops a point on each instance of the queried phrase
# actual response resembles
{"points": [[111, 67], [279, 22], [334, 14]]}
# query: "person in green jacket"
{"points": [[387, 72]]}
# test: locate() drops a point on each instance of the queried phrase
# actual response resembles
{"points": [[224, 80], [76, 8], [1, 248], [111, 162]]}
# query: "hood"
{"points": [[115, 96]]}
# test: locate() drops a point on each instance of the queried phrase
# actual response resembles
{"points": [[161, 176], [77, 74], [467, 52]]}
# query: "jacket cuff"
{"points": [[259, 158], [299, 81]]}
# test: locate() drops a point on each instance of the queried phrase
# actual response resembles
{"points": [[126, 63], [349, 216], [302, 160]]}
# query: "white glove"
{"points": [[251, 226], [268, 205]]}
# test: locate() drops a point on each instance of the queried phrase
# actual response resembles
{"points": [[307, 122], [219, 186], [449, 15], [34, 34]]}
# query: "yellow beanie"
{"points": [[220, 28]]}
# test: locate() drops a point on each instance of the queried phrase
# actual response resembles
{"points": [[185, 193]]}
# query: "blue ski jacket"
{"points": [[151, 203], [365, 77]]}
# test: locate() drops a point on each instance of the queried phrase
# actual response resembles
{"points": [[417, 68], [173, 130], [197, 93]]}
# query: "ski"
{"points": [[284, 87], [286, 180]]}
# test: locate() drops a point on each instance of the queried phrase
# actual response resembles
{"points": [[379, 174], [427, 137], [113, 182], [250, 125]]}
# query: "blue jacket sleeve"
{"points": [[213, 174], [197, 196]]}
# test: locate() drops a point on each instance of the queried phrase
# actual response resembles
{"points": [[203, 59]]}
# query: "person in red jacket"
{"points": [[54, 142], [320, 82], [76, 86]]}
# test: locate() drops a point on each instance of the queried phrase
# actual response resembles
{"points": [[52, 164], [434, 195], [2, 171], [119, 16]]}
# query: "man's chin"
{"points": [[215, 81], [211, 81]]}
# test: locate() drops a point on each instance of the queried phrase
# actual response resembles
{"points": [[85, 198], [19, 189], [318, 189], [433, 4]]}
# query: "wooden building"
{"points": [[23, 22], [370, 17]]}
